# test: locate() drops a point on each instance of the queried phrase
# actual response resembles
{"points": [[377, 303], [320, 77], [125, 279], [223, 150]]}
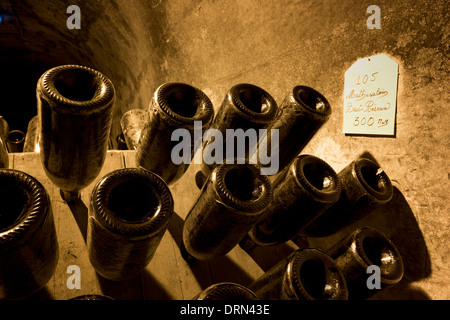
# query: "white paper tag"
{"points": [[370, 96]]}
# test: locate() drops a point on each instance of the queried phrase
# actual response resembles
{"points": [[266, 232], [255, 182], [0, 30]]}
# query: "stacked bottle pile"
{"points": [[130, 208]]}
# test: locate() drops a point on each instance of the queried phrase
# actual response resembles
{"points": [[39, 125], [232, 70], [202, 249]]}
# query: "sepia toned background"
{"points": [[276, 45]]}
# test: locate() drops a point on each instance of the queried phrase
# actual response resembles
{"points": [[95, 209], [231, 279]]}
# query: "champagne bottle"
{"points": [[4, 128], [226, 291], [301, 194], [75, 106], [28, 242], [301, 114], [174, 106], [364, 186], [306, 274], [230, 203], [244, 107], [364, 248], [128, 215]]}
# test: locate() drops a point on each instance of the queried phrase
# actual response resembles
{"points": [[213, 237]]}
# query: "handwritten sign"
{"points": [[370, 96]]}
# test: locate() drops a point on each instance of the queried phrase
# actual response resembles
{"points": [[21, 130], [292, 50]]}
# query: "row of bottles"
{"points": [[130, 208]]}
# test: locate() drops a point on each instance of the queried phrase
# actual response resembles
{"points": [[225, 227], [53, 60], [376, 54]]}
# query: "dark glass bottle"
{"points": [[244, 107], [306, 274], [226, 291], [4, 128], [28, 242], [32, 136], [364, 186], [300, 195], [132, 123], [75, 110], [174, 106], [129, 213], [363, 248], [301, 114], [4, 158], [230, 203], [15, 141]]}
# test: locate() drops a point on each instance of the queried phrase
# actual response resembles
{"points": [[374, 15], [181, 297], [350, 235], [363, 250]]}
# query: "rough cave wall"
{"points": [[280, 44], [277, 45]]}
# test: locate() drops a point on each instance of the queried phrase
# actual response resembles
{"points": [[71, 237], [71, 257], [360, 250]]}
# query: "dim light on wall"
{"points": [[9, 23]]}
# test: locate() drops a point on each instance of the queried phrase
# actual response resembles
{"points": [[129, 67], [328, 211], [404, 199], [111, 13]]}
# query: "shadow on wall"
{"points": [[397, 221]]}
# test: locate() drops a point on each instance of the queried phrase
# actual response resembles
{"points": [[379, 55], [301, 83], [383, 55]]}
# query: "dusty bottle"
{"points": [[363, 248], [306, 274], [364, 186], [175, 106], [4, 128], [28, 242], [244, 107], [132, 123], [226, 291], [231, 202], [4, 158], [75, 110], [129, 213], [300, 195], [301, 114], [15, 141], [32, 136]]}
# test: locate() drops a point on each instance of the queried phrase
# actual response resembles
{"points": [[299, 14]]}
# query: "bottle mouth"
{"points": [[184, 103], [311, 99], [243, 184], [318, 282], [76, 87], [374, 179], [24, 203], [317, 276], [16, 137], [227, 291], [254, 101], [14, 203], [77, 84], [376, 249], [242, 187], [133, 201], [317, 177]]}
